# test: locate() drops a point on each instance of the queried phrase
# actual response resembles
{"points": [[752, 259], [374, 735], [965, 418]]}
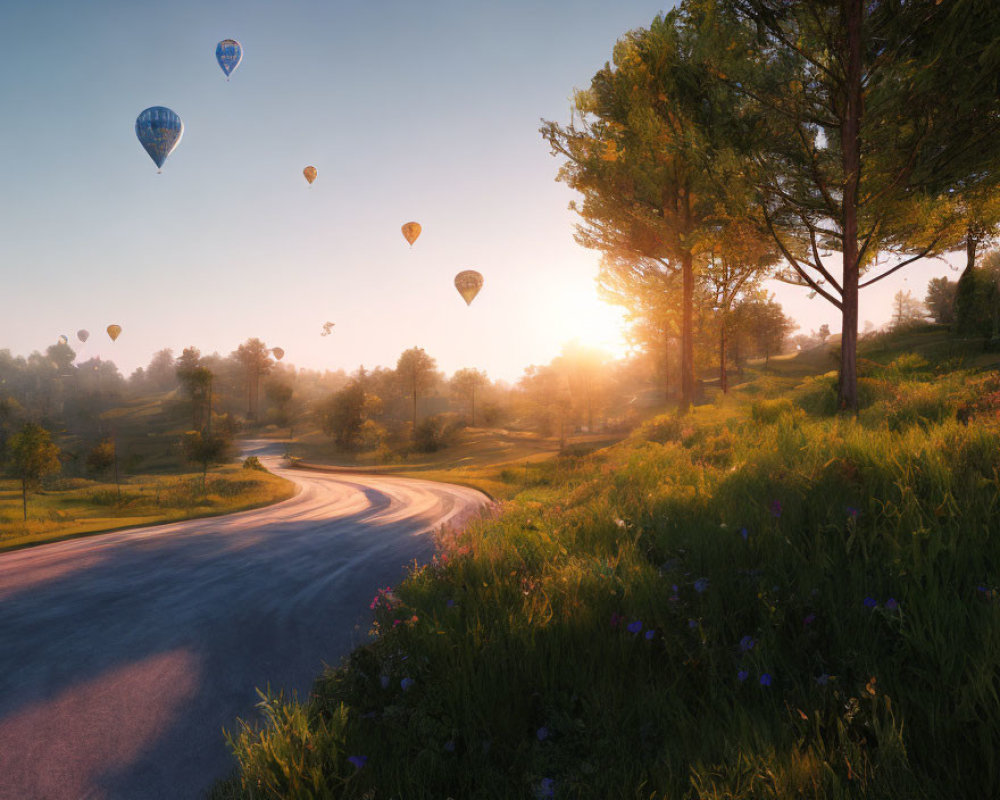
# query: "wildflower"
{"points": [[852, 512], [547, 788], [742, 675], [744, 533], [384, 681], [450, 603], [650, 634], [616, 619], [871, 602], [891, 604], [542, 733], [808, 619], [692, 624], [635, 627], [449, 746], [775, 508], [823, 679], [358, 761], [747, 643], [406, 683], [765, 679], [701, 585]]}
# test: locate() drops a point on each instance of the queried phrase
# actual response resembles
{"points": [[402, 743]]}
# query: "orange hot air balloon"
{"points": [[114, 331], [310, 173], [468, 283], [411, 230], [278, 353]]}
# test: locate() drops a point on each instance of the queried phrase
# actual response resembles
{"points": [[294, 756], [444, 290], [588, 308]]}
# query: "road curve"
{"points": [[122, 656]]}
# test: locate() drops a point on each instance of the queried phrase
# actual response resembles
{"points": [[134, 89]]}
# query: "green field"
{"points": [[758, 600], [70, 507]]}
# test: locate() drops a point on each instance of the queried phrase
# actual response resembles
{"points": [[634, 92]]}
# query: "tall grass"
{"points": [[763, 605]]}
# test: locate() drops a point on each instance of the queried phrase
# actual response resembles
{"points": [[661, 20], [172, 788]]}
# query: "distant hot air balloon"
{"points": [[159, 130], [114, 331], [310, 173], [64, 339], [82, 335], [229, 54], [327, 328], [278, 353], [468, 283], [411, 230]]}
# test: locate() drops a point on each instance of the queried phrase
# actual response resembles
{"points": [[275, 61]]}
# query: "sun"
{"points": [[583, 317]]}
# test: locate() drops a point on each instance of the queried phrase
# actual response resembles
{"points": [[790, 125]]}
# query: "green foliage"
{"points": [[853, 562], [252, 462], [101, 457], [436, 432]]}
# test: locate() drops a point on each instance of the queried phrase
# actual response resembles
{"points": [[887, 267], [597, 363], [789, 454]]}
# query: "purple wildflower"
{"points": [[823, 679], [747, 643], [891, 604], [808, 619], [542, 733], [406, 683], [616, 619], [449, 746], [852, 512], [450, 603], [358, 761], [775, 508], [692, 624], [384, 681], [765, 679], [650, 634], [870, 602], [635, 627], [744, 533], [547, 788], [701, 585], [742, 675]]}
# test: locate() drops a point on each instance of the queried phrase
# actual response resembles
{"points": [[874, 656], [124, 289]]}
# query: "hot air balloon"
{"points": [[159, 130], [468, 283], [114, 331], [278, 353], [310, 173], [229, 54], [64, 339], [411, 230], [327, 328], [82, 335]]}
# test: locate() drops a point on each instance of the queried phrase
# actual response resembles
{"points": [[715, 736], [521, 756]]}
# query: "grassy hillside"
{"points": [[759, 600]]}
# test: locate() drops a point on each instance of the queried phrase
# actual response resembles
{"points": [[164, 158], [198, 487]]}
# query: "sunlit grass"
{"points": [[754, 601], [77, 506]]}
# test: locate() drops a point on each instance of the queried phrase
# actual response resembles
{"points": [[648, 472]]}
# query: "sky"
{"points": [[424, 112]]}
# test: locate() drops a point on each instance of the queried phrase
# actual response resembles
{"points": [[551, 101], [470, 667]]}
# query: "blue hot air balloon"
{"points": [[159, 130], [229, 54]]}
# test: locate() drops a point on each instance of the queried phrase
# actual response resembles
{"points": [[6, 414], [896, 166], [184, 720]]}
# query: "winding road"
{"points": [[124, 655]]}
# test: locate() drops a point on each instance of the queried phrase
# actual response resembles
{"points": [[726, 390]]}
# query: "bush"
{"points": [[252, 462], [768, 411]]}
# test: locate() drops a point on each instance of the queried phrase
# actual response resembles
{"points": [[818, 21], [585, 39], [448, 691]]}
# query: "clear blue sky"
{"points": [[409, 111]]}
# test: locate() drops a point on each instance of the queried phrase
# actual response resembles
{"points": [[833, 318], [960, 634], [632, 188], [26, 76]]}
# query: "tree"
{"points": [[416, 372], [104, 456], [204, 449], [940, 300], [32, 456], [344, 414], [860, 124], [255, 358], [977, 301], [161, 374], [643, 157], [906, 309], [465, 384]]}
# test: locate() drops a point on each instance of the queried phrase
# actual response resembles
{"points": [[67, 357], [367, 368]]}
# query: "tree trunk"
{"points": [[723, 379], [965, 291], [687, 333], [850, 153], [666, 367]]}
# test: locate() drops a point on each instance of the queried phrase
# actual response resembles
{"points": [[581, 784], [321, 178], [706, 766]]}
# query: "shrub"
{"points": [[252, 462]]}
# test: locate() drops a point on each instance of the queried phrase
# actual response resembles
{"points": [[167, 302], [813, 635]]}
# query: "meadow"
{"points": [[760, 599]]}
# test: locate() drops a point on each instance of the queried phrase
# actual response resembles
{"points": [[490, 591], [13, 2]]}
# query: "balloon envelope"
{"points": [[327, 328], [114, 331], [411, 230], [82, 335], [228, 53], [159, 130], [468, 283], [278, 353], [310, 173], [64, 339]]}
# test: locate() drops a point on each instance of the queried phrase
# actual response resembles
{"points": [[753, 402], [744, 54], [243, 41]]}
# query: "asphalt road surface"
{"points": [[124, 655]]}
